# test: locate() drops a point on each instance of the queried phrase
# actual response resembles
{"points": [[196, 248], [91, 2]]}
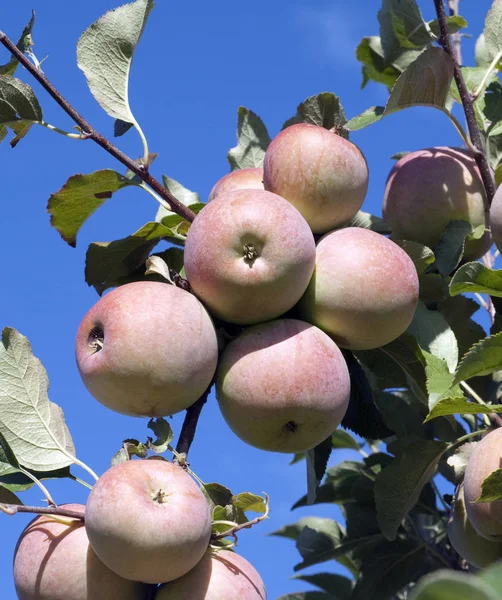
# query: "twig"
{"points": [[89, 132], [12, 509], [190, 423], [467, 103], [233, 530]]}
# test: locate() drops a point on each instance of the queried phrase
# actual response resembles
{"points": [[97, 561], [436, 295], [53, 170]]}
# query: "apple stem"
{"points": [[12, 509], [467, 103], [88, 132]]}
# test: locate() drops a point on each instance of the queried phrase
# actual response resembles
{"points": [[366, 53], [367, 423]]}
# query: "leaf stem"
{"points": [[146, 152], [12, 509], [40, 485], [494, 418], [467, 103], [233, 530], [481, 87], [85, 467], [89, 132], [74, 136], [459, 128], [154, 195]]}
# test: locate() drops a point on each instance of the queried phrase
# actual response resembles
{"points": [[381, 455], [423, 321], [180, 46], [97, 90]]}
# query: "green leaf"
{"points": [[338, 586], [216, 494], [316, 543], [450, 248], [421, 256], [248, 501], [8, 461], [433, 334], [342, 439], [475, 277], [458, 311], [293, 530], [24, 44], [33, 426], [402, 412], [448, 585], [461, 406], [19, 107], [401, 28], [368, 117], [398, 486], [493, 29], [19, 482], [181, 193], [317, 461], [370, 53], [368, 221], [491, 488], [105, 52], [455, 23], [173, 258], [433, 288], [483, 57], [492, 575], [426, 82], [79, 198], [8, 497], [324, 110], [164, 432], [473, 76], [252, 141], [483, 358], [439, 384]]}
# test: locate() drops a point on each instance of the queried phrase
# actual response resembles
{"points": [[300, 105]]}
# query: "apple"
{"points": [[364, 290], [249, 255], [147, 349], [242, 179], [496, 218], [53, 561], [283, 386], [321, 173], [427, 189], [148, 520], [471, 546], [485, 517], [221, 575]]}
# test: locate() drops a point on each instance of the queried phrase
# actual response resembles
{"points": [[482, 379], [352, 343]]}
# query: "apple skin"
{"points": [[283, 386], [471, 546], [427, 189], [321, 173], [364, 290], [485, 517], [159, 353], [148, 521], [53, 561], [496, 218], [249, 256], [242, 179], [222, 575]]}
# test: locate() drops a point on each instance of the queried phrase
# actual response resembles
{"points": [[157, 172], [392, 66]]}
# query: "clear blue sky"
{"points": [[196, 63]]}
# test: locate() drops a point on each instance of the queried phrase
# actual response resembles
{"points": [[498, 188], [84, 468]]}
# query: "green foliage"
{"points": [[252, 141], [19, 108], [24, 44], [324, 110], [475, 277]]}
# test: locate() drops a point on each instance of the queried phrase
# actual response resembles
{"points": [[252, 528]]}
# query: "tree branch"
{"points": [[467, 103], [190, 423], [12, 509], [89, 132], [456, 39]]}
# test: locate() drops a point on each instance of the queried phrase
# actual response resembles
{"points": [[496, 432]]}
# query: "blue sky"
{"points": [[196, 63]]}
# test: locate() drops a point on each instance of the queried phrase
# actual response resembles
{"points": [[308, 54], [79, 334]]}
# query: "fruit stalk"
{"points": [[467, 103]]}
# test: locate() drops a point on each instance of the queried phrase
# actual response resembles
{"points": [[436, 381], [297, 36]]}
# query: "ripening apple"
{"points": [[249, 255], [283, 386], [250, 178], [364, 290], [427, 189], [321, 173], [496, 218], [148, 520], [471, 546], [222, 575], [53, 561], [485, 517], [147, 349]]}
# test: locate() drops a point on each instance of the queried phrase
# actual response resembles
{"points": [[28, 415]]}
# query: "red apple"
{"points": [[147, 349], [249, 256], [242, 179], [283, 386], [321, 173], [496, 218], [147, 520]]}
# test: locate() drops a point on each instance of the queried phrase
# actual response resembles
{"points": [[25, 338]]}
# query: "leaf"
{"points": [[491, 488], [401, 412], [324, 110], [461, 406], [475, 277], [398, 486], [338, 586], [248, 501], [434, 335], [316, 544], [317, 461], [173, 258], [154, 265], [8, 497], [252, 141], [492, 575], [370, 53], [458, 461], [368, 117], [458, 311], [455, 23], [293, 530], [79, 198], [19, 482], [181, 193], [105, 52], [8, 461], [439, 384], [24, 44], [482, 359], [216, 494], [33, 426], [426, 82], [447, 585], [421, 256], [493, 28], [368, 221], [164, 432], [121, 127], [450, 248], [342, 439], [18, 107]]}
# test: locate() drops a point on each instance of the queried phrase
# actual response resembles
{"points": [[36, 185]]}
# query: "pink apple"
{"points": [[147, 349], [148, 520], [321, 173], [249, 256], [283, 386], [496, 218], [364, 290], [242, 179]]}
